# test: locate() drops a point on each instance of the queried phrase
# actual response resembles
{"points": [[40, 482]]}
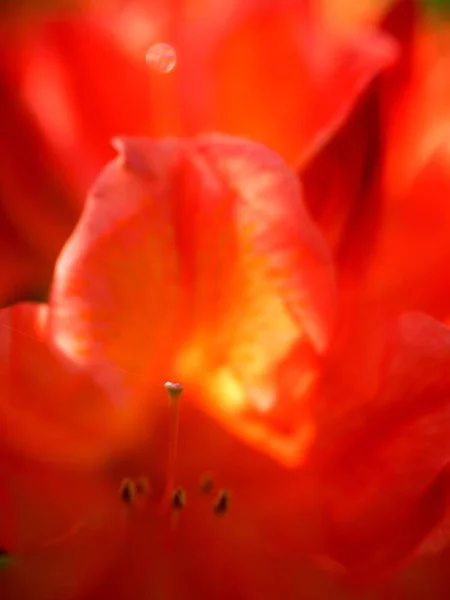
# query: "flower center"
{"points": [[174, 497]]}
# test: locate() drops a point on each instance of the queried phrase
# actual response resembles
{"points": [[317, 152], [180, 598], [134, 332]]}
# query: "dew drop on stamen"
{"points": [[161, 57]]}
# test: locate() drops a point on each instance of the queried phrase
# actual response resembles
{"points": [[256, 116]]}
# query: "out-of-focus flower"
{"points": [[230, 58], [79, 78], [315, 408]]}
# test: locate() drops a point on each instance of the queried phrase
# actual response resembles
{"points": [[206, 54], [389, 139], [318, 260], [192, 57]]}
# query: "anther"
{"points": [[127, 491], [178, 501], [174, 390], [222, 504], [206, 484]]}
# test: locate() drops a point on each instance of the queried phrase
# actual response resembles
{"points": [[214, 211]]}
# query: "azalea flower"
{"points": [[311, 432]]}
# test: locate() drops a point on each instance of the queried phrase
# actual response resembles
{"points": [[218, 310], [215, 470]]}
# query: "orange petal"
{"points": [[195, 259]]}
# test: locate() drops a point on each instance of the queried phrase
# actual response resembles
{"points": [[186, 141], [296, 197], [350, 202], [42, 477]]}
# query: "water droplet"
{"points": [[161, 57]]}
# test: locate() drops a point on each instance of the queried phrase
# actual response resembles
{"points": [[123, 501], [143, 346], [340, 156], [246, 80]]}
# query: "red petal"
{"points": [[410, 266], [344, 179], [60, 527], [305, 81], [195, 259], [388, 482], [49, 411], [413, 236], [231, 58], [36, 215]]}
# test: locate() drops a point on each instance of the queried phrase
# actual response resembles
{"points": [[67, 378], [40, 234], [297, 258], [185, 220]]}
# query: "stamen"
{"points": [[174, 391], [206, 483], [222, 504], [127, 491], [178, 501]]}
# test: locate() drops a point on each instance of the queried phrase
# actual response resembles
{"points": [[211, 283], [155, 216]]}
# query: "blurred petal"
{"points": [[305, 80], [410, 266], [36, 215], [61, 528], [345, 16], [347, 201], [49, 411], [389, 480], [413, 238], [196, 261], [231, 58]]}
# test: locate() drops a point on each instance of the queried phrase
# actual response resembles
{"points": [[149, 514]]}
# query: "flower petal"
{"points": [[388, 476], [60, 527], [35, 212], [414, 242], [50, 411], [195, 259], [305, 80], [229, 54], [347, 202]]}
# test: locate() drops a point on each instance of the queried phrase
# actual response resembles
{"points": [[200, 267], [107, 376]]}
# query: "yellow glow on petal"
{"points": [[228, 389], [246, 408]]}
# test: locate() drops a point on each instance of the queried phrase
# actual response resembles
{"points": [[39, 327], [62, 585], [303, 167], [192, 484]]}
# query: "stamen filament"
{"points": [[174, 391]]}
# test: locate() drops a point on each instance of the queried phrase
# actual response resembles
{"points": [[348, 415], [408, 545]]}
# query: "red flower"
{"points": [[131, 320], [315, 403], [229, 54], [92, 67]]}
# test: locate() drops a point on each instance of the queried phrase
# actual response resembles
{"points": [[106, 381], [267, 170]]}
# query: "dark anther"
{"points": [[206, 484], [174, 390], [127, 491], [178, 499], [222, 504]]}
